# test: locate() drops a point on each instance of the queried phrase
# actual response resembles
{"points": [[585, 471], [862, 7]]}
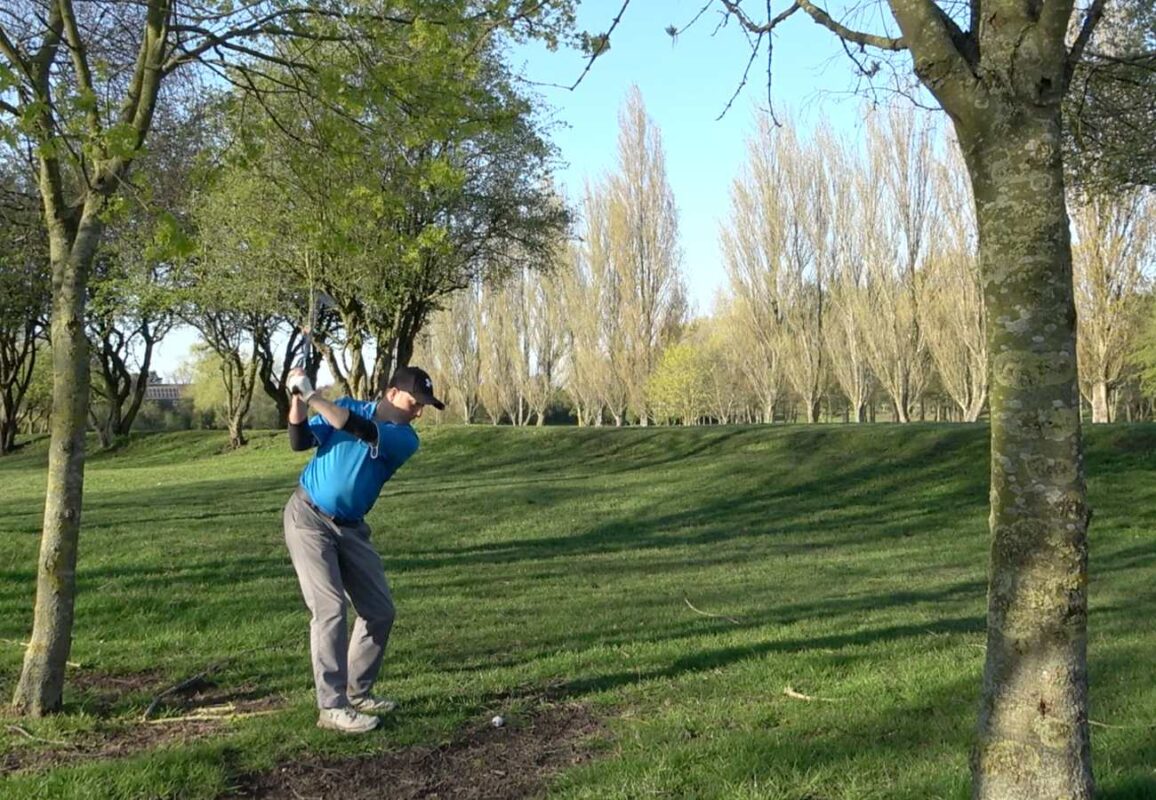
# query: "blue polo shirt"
{"points": [[345, 476]]}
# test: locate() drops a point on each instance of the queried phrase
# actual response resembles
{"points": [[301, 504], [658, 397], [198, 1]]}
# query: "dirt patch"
{"points": [[197, 710], [42, 754], [100, 692], [510, 762]]}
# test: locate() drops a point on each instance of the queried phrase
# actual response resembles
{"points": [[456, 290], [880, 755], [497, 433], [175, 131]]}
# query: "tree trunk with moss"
{"points": [[1002, 84], [1033, 729], [41, 686]]}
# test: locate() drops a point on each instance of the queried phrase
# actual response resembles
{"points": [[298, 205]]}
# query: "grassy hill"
{"points": [[770, 612]]}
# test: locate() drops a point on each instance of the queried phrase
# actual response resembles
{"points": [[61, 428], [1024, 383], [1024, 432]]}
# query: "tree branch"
{"points": [[820, 16], [1095, 11], [843, 32], [603, 44], [76, 48], [10, 51], [932, 38], [746, 74]]}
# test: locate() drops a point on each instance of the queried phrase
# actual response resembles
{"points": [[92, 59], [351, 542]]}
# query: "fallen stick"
{"points": [[1120, 727], [24, 732], [706, 614], [201, 717], [789, 692], [185, 684]]}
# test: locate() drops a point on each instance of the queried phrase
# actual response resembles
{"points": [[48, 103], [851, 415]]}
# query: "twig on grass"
{"points": [[789, 692], [24, 732], [1121, 727], [706, 614], [213, 714], [185, 684], [188, 682]]}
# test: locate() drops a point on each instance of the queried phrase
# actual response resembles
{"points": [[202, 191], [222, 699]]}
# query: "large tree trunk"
{"points": [[1033, 729], [41, 686]]}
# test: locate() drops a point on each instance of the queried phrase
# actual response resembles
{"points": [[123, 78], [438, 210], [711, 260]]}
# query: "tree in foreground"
{"points": [[1001, 69]]}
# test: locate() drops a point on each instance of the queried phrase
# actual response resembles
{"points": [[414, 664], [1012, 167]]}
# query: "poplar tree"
{"points": [[1115, 244], [645, 252]]}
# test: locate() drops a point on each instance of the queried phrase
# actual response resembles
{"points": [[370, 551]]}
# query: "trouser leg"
{"points": [[313, 548], [368, 591]]}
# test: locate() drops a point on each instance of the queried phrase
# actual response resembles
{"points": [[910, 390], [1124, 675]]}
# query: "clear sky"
{"points": [[685, 85]]}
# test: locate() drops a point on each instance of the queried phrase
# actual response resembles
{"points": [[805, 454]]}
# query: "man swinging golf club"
{"points": [[360, 444]]}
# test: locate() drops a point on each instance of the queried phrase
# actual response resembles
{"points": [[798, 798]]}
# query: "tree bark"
{"points": [[41, 686], [1033, 729]]}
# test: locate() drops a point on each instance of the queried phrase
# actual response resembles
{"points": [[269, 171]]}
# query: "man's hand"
{"points": [[300, 385]]}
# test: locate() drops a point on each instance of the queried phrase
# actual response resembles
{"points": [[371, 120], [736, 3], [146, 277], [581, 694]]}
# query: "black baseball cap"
{"points": [[417, 382]]}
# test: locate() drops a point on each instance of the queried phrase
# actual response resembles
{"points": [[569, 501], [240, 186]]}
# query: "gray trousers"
{"points": [[334, 561]]}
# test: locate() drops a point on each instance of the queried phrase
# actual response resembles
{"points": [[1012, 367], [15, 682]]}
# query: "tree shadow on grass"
{"points": [[1135, 788]]}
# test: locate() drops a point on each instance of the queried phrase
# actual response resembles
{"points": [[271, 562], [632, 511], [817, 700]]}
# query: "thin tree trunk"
{"points": [[41, 686], [976, 408], [1101, 409]]}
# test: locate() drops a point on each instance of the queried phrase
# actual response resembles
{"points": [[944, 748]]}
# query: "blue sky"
{"points": [[685, 85]]}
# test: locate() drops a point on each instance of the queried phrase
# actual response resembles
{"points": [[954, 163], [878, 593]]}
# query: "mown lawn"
{"points": [[678, 582]]}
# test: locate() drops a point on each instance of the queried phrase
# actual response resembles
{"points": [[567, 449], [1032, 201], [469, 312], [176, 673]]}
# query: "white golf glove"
{"points": [[301, 386]]}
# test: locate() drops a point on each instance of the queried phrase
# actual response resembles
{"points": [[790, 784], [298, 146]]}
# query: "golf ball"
{"points": [[497, 722]]}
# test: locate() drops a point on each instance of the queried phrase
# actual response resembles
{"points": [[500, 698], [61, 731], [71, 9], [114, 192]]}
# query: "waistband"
{"points": [[307, 500]]}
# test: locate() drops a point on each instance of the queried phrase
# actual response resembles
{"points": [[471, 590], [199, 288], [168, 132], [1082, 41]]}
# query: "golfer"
{"points": [[360, 444]]}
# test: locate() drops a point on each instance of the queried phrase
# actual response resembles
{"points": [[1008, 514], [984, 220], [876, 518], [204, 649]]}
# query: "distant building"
{"points": [[166, 392]]}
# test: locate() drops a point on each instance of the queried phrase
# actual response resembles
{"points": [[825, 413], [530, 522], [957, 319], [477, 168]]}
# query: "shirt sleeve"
{"points": [[396, 442], [321, 429]]}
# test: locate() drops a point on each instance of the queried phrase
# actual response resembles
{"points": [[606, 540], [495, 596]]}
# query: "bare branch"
{"points": [[220, 44], [676, 32], [858, 37], [742, 83], [1095, 11], [749, 24], [603, 45]]}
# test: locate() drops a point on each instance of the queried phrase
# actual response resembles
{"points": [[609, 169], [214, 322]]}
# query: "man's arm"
{"points": [[304, 398]]}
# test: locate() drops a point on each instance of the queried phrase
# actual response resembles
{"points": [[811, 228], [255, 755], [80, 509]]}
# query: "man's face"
{"points": [[408, 406]]}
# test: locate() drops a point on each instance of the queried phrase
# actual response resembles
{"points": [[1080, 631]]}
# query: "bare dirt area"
{"points": [[192, 710], [513, 761]]}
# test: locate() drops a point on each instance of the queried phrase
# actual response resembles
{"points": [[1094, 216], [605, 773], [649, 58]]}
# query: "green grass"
{"points": [[847, 563]]}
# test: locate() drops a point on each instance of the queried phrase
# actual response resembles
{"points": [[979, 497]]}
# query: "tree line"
{"points": [[852, 292], [852, 288]]}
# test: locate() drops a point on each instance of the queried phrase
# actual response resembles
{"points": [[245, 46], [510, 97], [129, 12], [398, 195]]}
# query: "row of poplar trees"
{"points": [[851, 271]]}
